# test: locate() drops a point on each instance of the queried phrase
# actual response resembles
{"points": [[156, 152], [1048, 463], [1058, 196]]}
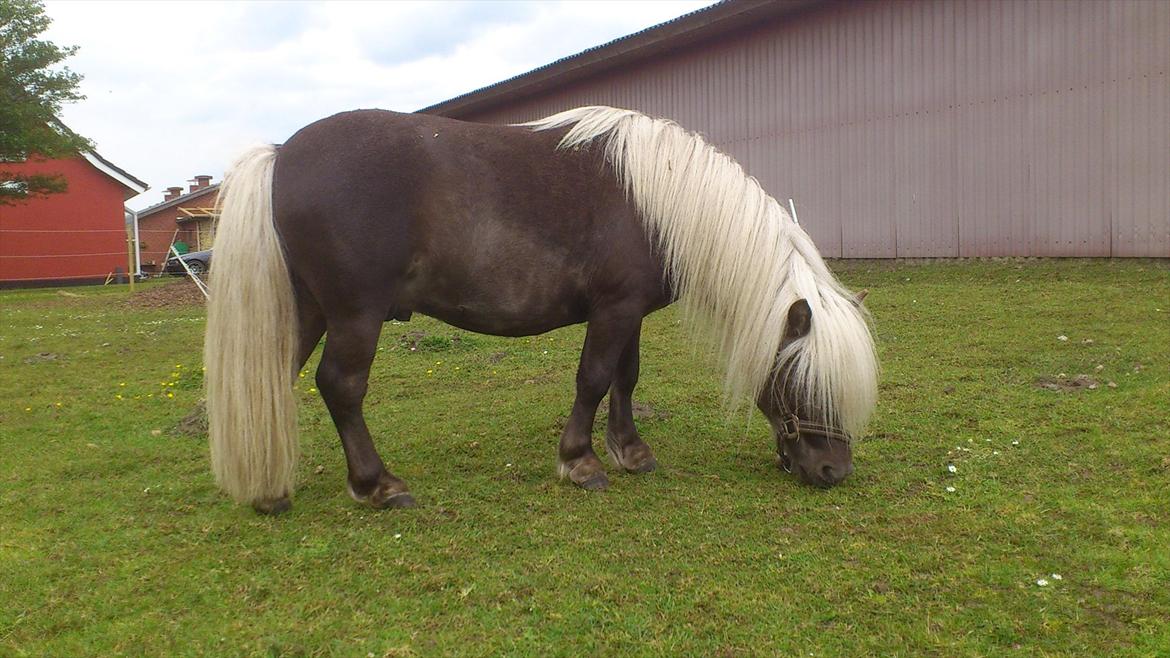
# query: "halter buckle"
{"points": [[791, 426]]}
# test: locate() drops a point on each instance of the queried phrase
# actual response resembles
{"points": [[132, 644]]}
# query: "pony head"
{"points": [[812, 432]]}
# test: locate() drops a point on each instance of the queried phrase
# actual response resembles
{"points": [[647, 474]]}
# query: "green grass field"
{"points": [[114, 539]]}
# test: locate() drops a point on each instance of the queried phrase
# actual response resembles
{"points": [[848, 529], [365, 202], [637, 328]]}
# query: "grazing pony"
{"points": [[596, 215]]}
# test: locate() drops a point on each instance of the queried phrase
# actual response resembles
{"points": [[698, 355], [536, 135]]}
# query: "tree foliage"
{"points": [[33, 87]]}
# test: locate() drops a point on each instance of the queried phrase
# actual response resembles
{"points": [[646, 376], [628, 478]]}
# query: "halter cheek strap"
{"points": [[791, 427]]}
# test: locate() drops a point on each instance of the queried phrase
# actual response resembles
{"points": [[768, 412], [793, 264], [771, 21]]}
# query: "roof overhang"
{"points": [[695, 27], [108, 168], [177, 200]]}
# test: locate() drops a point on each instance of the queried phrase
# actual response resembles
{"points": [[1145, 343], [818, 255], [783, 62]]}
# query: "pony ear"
{"points": [[799, 320], [860, 297]]}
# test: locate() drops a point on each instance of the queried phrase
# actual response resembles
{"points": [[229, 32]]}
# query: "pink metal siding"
{"points": [[933, 129]]}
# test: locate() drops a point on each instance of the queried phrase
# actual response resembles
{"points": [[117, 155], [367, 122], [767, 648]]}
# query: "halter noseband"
{"points": [[791, 426]]}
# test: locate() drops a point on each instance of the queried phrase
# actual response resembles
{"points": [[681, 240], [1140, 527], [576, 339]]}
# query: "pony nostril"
{"points": [[833, 474]]}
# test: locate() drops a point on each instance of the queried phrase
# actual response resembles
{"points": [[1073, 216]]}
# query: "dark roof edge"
{"points": [[137, 186], [123, 177], [687, 29], [149, 210]]}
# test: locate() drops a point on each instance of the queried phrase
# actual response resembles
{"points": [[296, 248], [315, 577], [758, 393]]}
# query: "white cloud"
{"points": [[178, 88]]}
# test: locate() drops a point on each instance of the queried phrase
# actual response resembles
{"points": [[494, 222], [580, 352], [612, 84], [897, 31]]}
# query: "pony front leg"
{"points": [[626, 449], [605, 339], [343, 377]]}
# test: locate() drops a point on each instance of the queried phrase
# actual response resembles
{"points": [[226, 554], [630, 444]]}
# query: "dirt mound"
{"points": [[642, 411], [41, 357], [177, 294], [195, 422], [1063, 384]]}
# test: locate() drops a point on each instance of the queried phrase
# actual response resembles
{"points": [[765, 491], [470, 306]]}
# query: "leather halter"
{"points": [[791, 427]]}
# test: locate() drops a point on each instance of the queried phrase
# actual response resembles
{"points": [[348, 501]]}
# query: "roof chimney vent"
{"points": [[173, 193], [200, 182]]}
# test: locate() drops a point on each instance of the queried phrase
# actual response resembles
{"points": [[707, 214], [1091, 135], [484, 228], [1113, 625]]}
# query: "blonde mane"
{"points": [[737, 262]]}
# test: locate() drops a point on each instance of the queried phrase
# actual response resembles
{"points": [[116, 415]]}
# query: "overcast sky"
{"points": [[176, 89]]}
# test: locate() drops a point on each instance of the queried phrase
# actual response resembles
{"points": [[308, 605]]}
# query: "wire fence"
{"points": [[146, 251], [72, 277], [66, 230], [147, 238]]}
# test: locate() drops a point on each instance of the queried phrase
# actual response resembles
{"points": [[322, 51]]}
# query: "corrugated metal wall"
{"points": [[934, 129]]}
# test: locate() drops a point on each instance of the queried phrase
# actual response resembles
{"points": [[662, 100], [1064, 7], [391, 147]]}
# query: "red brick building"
{"points": [[77, 236], [181, 217]]}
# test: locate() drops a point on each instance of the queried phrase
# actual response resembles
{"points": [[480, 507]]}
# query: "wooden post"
{"points": [[130, 269]]}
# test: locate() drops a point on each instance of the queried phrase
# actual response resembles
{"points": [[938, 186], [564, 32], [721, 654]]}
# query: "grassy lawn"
{"points": [[114, 540]]}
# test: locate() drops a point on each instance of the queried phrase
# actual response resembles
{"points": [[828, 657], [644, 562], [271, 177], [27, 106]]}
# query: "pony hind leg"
{"points": [[625, 447], [310, 323], [605, 339], [343, 378]]}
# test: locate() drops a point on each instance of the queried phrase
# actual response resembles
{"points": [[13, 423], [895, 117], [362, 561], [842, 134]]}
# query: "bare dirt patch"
{"points": [[1064, 384], [41, 357], [411, 339], [195, 422], [182, 293], [641, 410]]}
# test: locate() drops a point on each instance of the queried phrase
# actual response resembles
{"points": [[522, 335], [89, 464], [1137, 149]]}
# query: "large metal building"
{"points": [[934, 128]]}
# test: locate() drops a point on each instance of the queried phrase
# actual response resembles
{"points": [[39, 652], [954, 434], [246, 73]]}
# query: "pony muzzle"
{"points": [[824, 465]]}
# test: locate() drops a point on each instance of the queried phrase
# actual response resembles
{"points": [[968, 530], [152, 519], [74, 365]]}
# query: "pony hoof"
{"points": [[400, 500], [635, 458], [599, 482], [587, 474], [389, 493], [648, 465], [273, 506]]}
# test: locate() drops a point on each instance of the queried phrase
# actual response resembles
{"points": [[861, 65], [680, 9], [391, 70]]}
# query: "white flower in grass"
{"points": [[1062, 337], [398, 535], [1042, 582], [950, 490], [1057, 576], [951, 468]]}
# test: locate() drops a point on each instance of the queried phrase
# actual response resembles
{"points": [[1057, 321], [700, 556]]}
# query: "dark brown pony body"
{"points": [[490, 229], [370, 215]]}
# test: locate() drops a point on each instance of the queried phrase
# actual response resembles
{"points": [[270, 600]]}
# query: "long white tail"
{"points": [[251, 341]]}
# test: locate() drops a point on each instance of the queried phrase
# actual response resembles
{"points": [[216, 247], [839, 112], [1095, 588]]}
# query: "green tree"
{"points": [[32, 90]]}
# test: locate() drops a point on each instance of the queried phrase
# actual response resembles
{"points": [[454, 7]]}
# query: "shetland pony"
{"points": [[596, 215]]}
